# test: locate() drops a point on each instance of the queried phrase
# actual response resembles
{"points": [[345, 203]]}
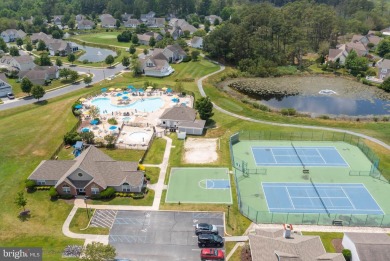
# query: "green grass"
{"points": [[326, 238], [80, 221], [106, 38], [156, 152], [124, 155], [146, 201], [153, 173]]}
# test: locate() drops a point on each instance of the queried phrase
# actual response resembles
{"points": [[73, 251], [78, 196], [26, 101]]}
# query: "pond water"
{"points": [[94, 54], [319, 95]]}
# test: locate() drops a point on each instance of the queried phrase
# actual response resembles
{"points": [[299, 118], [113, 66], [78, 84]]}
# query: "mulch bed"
{"points": [[337, 245]]}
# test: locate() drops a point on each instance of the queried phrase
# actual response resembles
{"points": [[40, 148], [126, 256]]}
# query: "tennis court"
{"points": [[317, 156], [199, 185], [320, 198]]}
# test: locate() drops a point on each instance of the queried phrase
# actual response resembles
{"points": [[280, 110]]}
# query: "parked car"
{"points": [[210, 240], [10, 96], [212, 254], [204, 228]]}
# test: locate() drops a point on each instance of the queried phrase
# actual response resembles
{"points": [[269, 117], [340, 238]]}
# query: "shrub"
{"points": [[42, 187], [53, 193], [112, 121], [347, 254], [385, 118], [95, 196], [187, 59], [85, 61], [260, 106], [138, 195], [67, 196], [141, 167], [107, 193], [30, 184], [376, 119], [70, 138], [245, 101], [324, 117]]}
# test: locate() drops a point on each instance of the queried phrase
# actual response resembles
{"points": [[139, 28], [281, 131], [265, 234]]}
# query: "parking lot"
{"points": [[159, 236]]}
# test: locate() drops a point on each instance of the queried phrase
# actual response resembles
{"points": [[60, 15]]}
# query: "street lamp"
{"points": [[228, 214], [86, 205]]}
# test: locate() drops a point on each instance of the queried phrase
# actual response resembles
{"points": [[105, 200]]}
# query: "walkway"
{"points": [[202, 92]]}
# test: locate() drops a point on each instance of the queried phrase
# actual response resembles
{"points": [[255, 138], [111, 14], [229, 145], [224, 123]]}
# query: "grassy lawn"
{"points": [[146, 201], [107, 38], [124, 155], [80, 222], [156, 152], [326, 239], [153, 173]]}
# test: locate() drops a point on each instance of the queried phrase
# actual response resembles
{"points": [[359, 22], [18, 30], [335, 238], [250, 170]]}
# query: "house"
{"points": [[182, 118], [146, 17], [365, 40], [282, 244], [85, 24], [383, 66], [156, 64], [386, 31], [40, 75], [61, 48], [10, 35], [57, 20], [89, 174], [359, 38], [5, 87], [197, 42], [337, 54], [41, 36], [107, 21], [132, 23], [174, 53], [367, 246], [156, 22], [79, 17], [374, 39], [126, 17], [18, 63], [212, 18], [145, 38], [182, 25], [358, 47]]}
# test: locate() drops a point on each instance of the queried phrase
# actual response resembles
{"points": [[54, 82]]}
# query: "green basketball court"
{"points": [[199, 185]]}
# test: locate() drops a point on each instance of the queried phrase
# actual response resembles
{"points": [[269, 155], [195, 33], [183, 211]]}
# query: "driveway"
{"points": [[159, 236]]}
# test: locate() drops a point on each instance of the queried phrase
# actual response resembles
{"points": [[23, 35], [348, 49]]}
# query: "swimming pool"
{"points": [[139, 137], [144, 105]]}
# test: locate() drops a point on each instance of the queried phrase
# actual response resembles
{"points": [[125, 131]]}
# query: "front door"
{"points": [[80, 191]]}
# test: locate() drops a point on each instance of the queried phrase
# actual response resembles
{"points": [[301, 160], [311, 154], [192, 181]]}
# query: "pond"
{"points": [[316, 95], [93, 54]]}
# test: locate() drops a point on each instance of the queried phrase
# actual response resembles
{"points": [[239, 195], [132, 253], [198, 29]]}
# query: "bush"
{"points": [[30, 184], [141, 167], [324, 117], [70, 138], [187, 59], [385, 118], [112, 121], [42, 187], [53, 193], [347, 254], [260, 106], [107, 193], [138, 195], [67, 196], [85, 61]]}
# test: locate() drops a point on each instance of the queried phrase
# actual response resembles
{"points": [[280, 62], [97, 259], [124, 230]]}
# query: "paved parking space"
{"points": [[103, 218], [159, 235]]}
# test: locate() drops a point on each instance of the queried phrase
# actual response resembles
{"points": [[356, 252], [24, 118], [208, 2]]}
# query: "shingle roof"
{"points": [[198, 124], [384, 63], [333, 53], [176, 48], [195, 39], [179, 113], [45, 169], [330, 257], [371, 246], [23, 59]]}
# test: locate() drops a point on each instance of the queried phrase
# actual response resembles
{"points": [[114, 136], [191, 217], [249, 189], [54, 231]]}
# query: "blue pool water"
{"points": [[146, 105]]}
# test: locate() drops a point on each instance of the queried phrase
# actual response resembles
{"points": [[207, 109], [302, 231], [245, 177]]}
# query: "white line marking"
{"points": [[289, 197]]}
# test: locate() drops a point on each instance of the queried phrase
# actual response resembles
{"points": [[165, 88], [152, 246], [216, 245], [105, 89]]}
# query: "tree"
{"points": [[21, 201], [97, 251], [58, 62], [132, 49], [41, 46], [109, 60], [44, 59], [29, 47], [71, 24], [134, 39], [65, 72], [125, 61], [26, 85], [19, 42], [71, 58], [216, 22], [383, 47], [187, 34], [3, 45], [386, 85], [56, 34], [87, 136], [194, 55], [87, 80], [145, 51], [204, 107], [117, 24], [14, 51], [355, 63], [73, 75], [37, 92], [152, 41], [136, 66], [94, 112]]}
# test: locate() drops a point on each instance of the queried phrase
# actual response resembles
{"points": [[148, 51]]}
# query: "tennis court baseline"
{"points": [[323, 198], [298, 156]]}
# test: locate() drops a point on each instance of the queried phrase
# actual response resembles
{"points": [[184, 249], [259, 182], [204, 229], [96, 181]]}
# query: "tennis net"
{"points": [[296, 152], [323, 204]]}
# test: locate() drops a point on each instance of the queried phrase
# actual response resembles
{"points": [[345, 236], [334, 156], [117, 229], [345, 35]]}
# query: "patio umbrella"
{"points": [[148, 90], [94, 122], [119, 94], [84, 130], [82, 99], [118, 89], [130, 87], [86, 112], [103, 90], [111, 89], [164, 88], [112, 128], [119, 98], [78, 106], [169, 90], [149, 87], [125, 92], [125, 97], [141, 90]]}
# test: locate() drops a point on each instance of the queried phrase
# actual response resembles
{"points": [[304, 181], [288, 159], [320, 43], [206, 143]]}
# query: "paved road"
{"points": [[98, 75], [202, 92]]}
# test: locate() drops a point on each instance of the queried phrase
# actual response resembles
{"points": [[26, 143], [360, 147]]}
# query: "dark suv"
{"points": [[206, 240], [204, 228]]}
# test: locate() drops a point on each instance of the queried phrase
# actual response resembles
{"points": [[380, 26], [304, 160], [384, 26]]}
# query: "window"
{"points": [[126, 187], [41, 182], [66, 189], [95, 191], [80, 174], [384, 70]]}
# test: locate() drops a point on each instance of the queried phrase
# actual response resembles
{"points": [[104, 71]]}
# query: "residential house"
{"points": [[366, 39], [174, 53], [156, 65], [181, 25], [40, 75], [170, 16], [10, 35], [18, 63], [36, 37], [5, 87], [146, 17], [145, 38], [374, 39], [107, 21], [61, 48], [79, 17], [383, 66], [31, 21], [358, 47], [197, 42], [89, 174], [337, 54], [280, 244], [367, 246], [386, 31], [126, 17], [132, 23], [360, 38], [182, 118], [212, 18], [57, 20], [156, 22], [85, 24]]}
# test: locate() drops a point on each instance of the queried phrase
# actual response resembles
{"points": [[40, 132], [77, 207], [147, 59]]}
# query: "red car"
{"points": [[211, 254]]}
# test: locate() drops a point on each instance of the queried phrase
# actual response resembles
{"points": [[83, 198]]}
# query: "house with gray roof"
{"points": [[131, 23], [125, 17], [182, 118], [212, 18], [85, 24], [40, 74], [79, 17], [90, 173], [367, 246], [10, 35], [156, 65], [57, 20], [181, 25], [146, 17], [18, 63], [41, 36], [61, 47], [276, 245], [196, 42], [337, 54], [107, 21], [383, 66], [145, 38], [5, 87], [174, 53], [155, 22]]}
